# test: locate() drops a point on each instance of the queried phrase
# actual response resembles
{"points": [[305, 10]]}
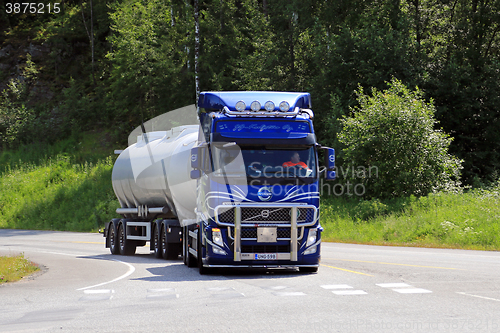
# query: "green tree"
{"points": [[151, 63], [393, 130]]}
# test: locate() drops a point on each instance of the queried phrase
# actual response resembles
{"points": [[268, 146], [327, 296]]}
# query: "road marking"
{"points": [[346, 270], [165, 293], [477, 296], [412, 291], [394, 264], [393, 285], [99, 291], [349, 292], [131, 270], [336, 286], [289, 293]]}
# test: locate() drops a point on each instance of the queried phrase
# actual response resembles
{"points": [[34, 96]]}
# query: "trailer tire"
{"points": [[169, 251], [157, 246], [127, 248], [113, 239]]}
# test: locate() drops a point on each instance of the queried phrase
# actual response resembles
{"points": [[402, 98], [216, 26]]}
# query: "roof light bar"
{"points": [[240, 106], [269, 106], [284, 106], [255, 106]]}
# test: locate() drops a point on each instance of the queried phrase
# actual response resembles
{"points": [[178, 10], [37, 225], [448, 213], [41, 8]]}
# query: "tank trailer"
{"points": [[238, 189]]}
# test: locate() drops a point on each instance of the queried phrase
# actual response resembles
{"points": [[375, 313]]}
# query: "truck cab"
{"points": [[257, 171]]}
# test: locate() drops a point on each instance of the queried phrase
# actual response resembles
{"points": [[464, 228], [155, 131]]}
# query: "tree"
{"points": [[393, 130]]}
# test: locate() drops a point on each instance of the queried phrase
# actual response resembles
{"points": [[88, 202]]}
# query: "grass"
{"points": [[66, 190], [67, 187], [469, 220], [15, 268]]}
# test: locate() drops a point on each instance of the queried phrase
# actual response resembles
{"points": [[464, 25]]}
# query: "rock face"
{"points": [[6, 51]]}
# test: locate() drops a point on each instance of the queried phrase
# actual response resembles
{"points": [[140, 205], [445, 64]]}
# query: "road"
{"points": [[358, 288]]}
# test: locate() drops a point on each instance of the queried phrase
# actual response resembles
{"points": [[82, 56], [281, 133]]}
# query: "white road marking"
{"points": [[99, 291], [412, 291], [276, 287], [131, 270], [336, 286], [393, 285], [349, 292], [290, 293], [477, 296]]}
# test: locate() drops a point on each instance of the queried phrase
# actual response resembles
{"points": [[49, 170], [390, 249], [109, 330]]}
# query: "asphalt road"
{"points": [[358, 288]]}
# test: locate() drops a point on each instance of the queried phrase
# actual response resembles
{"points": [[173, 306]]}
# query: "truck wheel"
{"points": [[157, 243], [203, 270], [126, 247], [113, 241], [189, 259], [308, 269], [169, 251]]}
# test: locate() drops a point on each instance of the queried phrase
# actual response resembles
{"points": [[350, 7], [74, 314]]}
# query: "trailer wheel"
{"points": [[126, 247], [157, 243], [169, 251], [113, 241]]}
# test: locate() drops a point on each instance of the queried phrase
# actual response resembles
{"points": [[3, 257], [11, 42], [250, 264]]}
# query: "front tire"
{"points": [[189, 259], [203, 270]]}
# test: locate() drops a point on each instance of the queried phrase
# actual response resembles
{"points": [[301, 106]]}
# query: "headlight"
{"points": [[217, 237], [312, 236]]}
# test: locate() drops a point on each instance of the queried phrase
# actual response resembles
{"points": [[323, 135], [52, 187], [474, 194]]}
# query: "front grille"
{"points": [[252, 233], [265, 214], [265, 249]]}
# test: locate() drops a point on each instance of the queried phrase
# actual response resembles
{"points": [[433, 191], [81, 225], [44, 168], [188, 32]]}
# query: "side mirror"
{"points": [[329, 169], [330, 158], [195, 158]]}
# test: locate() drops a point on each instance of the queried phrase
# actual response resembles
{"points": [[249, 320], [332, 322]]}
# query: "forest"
{"points": [[99, 64]]}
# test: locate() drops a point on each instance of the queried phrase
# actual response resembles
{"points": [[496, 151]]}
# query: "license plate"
{"points": [[265, 256]]}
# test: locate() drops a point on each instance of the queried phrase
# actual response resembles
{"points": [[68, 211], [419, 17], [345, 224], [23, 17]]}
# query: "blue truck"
{"points": [[239, 189]]}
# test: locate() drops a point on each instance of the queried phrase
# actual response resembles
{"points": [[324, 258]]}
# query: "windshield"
{"points": [[258, 164]]}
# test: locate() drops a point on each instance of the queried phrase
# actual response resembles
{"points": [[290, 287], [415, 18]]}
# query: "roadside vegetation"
{"points": [[15, 268], [444, 220], [57, 187]]}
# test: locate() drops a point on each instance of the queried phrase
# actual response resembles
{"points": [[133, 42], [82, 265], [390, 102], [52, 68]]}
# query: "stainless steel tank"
{"points": [[155, 172]]}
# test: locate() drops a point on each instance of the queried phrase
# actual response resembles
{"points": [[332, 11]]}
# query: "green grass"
{"points": [[468, 221], [14, 268], [47, 190], [67, 187]]}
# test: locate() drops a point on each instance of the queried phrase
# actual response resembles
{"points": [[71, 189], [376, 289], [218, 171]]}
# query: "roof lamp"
{"points": [[255, 106], [269, 106], [240, 106], [284, 106]]}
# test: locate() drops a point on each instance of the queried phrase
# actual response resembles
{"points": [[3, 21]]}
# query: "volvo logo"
{"points": [[264, 213], [265, 193]]}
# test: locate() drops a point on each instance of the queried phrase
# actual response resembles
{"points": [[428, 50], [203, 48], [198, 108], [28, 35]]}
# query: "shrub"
{"points": [[394, 131]]}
